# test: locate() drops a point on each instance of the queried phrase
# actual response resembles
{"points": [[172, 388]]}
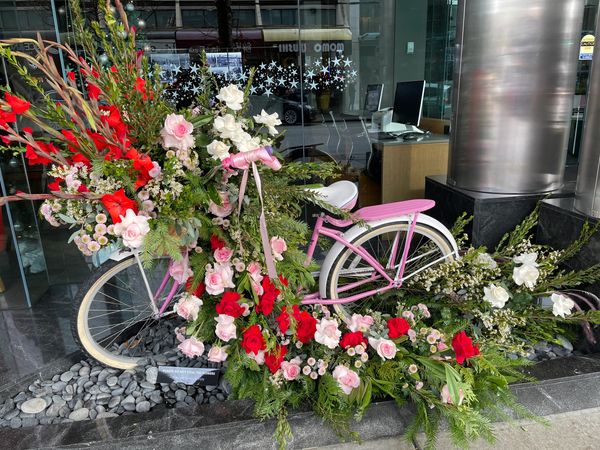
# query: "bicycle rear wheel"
{"points": [[352, 275], [113, 318]]}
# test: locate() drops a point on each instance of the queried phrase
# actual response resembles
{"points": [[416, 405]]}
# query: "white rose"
{"points": [[244, 142], [268, 120], [526, 274], [562, 305], [328, 333], [485, 260], [218, 150], [527, 259], [227, 126], [232, 96], [132, 229], [496, 295]]}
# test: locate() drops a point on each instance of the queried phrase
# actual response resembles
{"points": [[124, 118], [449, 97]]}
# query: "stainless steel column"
{"points": [[514, 80], [587, 198]]}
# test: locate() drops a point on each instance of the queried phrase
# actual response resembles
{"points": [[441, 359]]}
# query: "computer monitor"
{"points": [[373, 98], [408, 102]]}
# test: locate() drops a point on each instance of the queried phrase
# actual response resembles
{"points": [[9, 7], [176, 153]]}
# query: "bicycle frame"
{"points": [[393, 283]]}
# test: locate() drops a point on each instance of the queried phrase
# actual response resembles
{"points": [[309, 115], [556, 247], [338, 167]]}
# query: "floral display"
{"points": [[205, 187]]}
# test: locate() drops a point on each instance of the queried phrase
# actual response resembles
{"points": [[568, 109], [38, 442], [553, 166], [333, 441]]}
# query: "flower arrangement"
{"points": [[132, 172]]}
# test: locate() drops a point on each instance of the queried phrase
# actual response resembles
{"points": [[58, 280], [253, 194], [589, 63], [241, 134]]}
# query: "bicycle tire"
{"points": [[346, 310], [80, 327]]}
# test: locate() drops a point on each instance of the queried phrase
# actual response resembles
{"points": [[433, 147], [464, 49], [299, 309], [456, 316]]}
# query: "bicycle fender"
{"points": [[357, 230]]}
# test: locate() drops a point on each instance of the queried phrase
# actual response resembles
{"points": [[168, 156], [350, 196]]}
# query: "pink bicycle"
{"points": [[391, 243]]}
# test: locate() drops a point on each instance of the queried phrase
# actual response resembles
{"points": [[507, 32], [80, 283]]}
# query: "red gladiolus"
{"points": [[93, 91], [33, 158], [216, 243], [306, 327], [463, 347], [253, 341], [7, 117], [397, 327], [5, 140], [17, 105], [353, 339], [140, 86], [229, 305], [27, 130], [274, 359], [55, 185], [117, 205], [71, 76], [267, 299]]}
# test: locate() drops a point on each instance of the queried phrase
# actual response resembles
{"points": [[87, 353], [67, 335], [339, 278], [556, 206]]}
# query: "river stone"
{"points": [[34, 406], [67, 376], [112, 381], [151, 374], [180, 395], [29, 422], [58, 386], [106, 415], [15, 422], [53, 410], [58, 400], [114, 401], [79, 414], [21, 396], [84, 371], [143, 407]]}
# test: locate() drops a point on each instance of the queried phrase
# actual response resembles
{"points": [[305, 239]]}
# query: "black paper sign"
{"points": [[188, 375]]}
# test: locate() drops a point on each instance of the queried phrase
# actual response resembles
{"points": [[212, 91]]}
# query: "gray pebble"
{"points": [[67, 376], [103, 375], [106, 415], [15, 422], [143, 407], [29, 422], [58, 386], [114, 401], [93, 414], [84, 371], [151, 374], [180, 395], [75, 367], [21, 396], [79, 414], [112, 381], [34, 406], [11, 414]]}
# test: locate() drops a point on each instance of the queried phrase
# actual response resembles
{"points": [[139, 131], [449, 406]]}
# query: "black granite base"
{"points": [[493, 214], [568, 384]]}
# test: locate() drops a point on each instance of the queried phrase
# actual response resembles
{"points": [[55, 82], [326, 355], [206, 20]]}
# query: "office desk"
{"points": [[405, 164]]}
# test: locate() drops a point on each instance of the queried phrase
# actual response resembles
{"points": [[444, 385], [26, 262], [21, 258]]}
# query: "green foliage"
{"points": [[520, 233]]}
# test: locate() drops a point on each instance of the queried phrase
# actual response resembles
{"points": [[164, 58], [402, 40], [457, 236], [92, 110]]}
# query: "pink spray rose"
{"points": [[188, 307], [218, 278], [291, 369], [259, 357], [223, 254], [254, 269], [225, 329], [347, 379], [180, 270], [360, 323], [385, 348], [191, 347], [217, 354], [447, 398], [224, 209], [278, 246], [177, 133]]}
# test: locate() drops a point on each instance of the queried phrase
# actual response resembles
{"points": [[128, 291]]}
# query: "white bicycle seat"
{"points": [[341, 194]]}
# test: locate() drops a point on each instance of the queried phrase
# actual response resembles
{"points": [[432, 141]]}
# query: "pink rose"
{"points": [[385, 348], [223, 254], [156, 171], [257, 287], [328, 333], [347, 379], [224, 209], [225, 329], [177, 133], [447, 398], [278, 246], [218, 278], [360, 323], [180, 270], [290, 370], [259, 357], [179, 334], [217, 354], [188, 307], [246, 308], [254, 269], [132, 229], [191, 347]]}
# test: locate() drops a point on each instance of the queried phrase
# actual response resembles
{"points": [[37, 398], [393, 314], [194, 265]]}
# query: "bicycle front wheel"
{"points": [[353, 276], [113, 318]]}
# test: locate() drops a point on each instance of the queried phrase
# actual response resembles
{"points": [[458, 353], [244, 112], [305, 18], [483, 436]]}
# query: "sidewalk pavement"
{"points": [[578, 430]]}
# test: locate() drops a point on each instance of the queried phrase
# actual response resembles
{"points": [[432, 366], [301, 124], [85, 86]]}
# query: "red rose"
{"points": [[216, 243], [17, 105], [199, 289], [267, 299], [283, 319], [253, 341], [274, 359], [229, 305], [353, 339], [463, 347], [397, 327], [117, 205], [306, 327]]}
